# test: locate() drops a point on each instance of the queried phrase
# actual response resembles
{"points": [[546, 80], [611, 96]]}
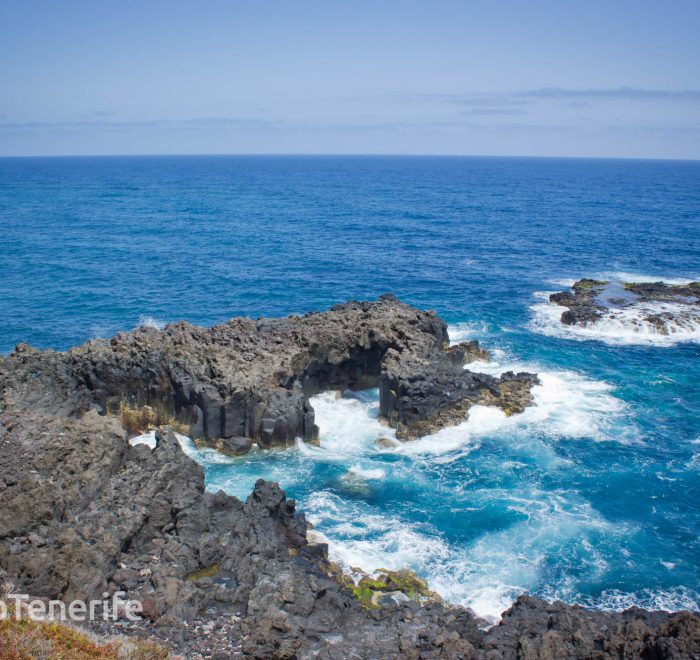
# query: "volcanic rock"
{"points": [[593, 300]]}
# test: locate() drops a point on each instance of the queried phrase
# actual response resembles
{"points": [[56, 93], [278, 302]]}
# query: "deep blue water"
{"points": [[593, 495]]}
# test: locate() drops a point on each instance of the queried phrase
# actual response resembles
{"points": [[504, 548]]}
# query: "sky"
{"points": [[613, 78]]}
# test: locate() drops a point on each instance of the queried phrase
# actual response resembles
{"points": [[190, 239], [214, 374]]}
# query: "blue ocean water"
{"points": [[592, 495]]}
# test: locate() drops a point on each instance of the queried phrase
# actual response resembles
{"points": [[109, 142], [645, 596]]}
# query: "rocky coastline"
{"points": [[83, 512]]}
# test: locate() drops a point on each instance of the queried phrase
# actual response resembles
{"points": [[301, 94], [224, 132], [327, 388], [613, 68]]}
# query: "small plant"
{"points": [[136, 420]]}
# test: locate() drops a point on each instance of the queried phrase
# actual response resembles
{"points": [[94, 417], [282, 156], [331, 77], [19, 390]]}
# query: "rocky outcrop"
{"points": [[533, 629], [253, 379], [84, 512], [419, 396], [583, 307], [593, 300]]}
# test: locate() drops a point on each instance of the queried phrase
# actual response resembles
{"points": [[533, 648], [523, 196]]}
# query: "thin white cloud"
{"points": [[622, 93]]}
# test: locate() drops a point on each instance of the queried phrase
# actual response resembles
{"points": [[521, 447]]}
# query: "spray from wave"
{"points": [[146, 321]]}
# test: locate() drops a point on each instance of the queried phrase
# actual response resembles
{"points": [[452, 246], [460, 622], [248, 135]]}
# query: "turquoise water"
{"points": [[592, 495]]}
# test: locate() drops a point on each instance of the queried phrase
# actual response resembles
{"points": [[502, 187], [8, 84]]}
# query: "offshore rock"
{"points": [[583, 307], [594, 300]]}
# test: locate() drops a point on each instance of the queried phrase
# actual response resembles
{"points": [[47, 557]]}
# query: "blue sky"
{"points": [[611, 79]]}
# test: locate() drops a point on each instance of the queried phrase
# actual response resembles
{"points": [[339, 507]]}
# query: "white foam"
{"points": [[459, 332], [146, 321], [566, 404], [348, 424], [669, 600], [624, 326], [367, 473], [486, 575], [187, 444], [622, 276], [148, 438], [565, 282]]}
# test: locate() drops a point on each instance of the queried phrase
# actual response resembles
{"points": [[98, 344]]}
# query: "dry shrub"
{"points": [[33, 640], [139, 419]]}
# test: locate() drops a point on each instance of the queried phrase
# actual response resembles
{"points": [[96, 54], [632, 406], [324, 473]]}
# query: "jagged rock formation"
{"points": [[253, 379], [419, 396], [582, 305], [83, 512], [593, 300]]}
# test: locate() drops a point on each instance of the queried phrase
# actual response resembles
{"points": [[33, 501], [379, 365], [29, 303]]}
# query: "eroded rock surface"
{"points": [[420, 396], [253, 379]]}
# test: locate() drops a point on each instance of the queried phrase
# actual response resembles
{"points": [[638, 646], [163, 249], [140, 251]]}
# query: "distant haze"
{"points": [[539, 78]]}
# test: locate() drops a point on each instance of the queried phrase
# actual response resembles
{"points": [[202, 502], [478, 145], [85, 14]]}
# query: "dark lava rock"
{"points": [[419, 396], [582, 303], [533, 629], [83, 512], [235, 446], [253, 379]]}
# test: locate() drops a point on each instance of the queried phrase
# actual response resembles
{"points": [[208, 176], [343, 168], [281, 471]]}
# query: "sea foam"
{"points": [[624, 326], [488, 573], [146, 321]]}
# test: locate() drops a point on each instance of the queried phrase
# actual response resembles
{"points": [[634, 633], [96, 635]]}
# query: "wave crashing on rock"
{"points": [[656, 313]]}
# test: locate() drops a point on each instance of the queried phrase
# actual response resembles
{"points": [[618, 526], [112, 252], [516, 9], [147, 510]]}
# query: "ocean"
{"points": [[591, 496]]}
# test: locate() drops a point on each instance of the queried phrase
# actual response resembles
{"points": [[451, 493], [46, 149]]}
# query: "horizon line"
{"points": [[346, 155]]}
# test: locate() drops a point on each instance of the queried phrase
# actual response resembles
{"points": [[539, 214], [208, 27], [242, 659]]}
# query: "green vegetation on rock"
{"points": [[207, 571], [369, 589]]}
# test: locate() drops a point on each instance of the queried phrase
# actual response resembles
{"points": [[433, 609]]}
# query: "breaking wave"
{"points": [[146, 321]]}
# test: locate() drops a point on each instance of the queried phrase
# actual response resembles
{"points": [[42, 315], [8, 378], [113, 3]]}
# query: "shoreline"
{"points": [[85, 512]]}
